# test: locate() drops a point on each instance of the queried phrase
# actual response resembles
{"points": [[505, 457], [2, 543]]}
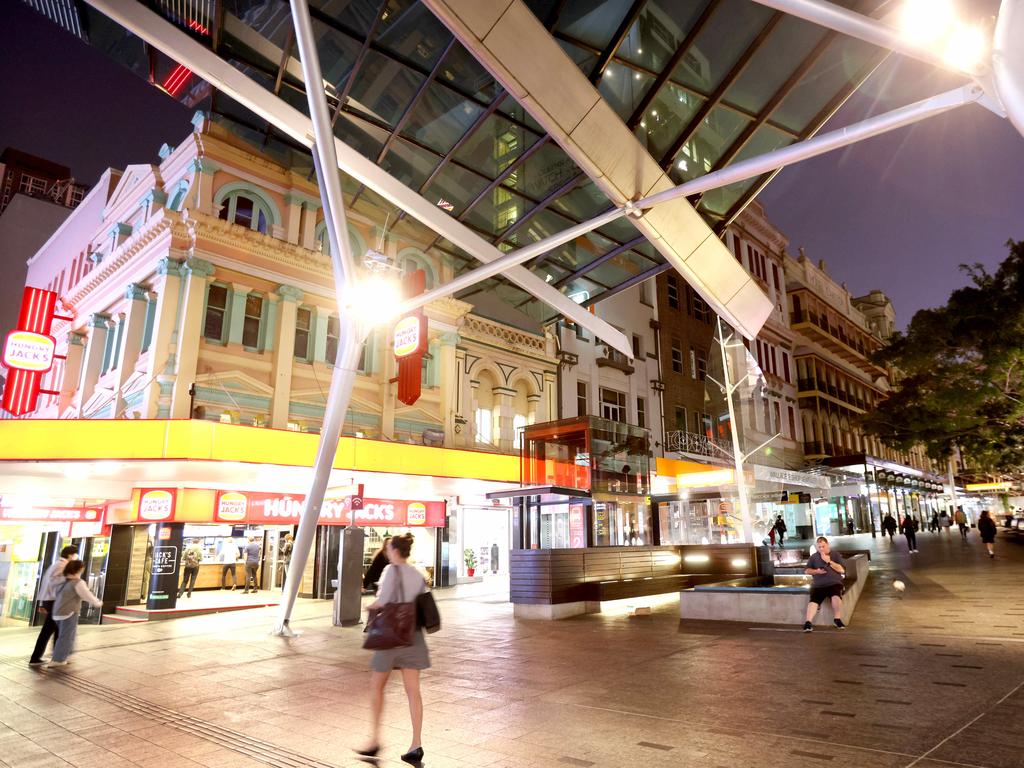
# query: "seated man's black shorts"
{"points": [[821, 594]]}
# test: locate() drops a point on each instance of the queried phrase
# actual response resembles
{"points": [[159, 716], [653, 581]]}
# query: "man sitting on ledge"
{"points": [[827, 571]]}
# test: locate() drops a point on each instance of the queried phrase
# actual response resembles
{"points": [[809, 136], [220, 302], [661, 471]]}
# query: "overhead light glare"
{"points": [[926, 22], [966, 47], [375, 299]]}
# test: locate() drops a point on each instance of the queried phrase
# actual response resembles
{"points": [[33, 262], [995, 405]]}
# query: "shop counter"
{"points": [[209, 575]]}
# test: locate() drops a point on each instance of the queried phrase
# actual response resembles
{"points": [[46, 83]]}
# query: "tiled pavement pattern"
{"points": [[932, 678]]}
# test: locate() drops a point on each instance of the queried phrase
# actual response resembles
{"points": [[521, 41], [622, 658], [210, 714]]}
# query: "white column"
{"points": [[293, 218], [160, 368], [72, 370], [284, 356], [197, 271], [98, 330], [448, 369], [309, 226], [320, 335], [131, 341]]}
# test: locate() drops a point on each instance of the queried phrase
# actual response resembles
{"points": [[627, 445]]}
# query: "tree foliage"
{"points": [[959, 373]]}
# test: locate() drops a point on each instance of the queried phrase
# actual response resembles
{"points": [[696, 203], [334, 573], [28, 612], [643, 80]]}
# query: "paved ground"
{"points": [[931, 678]]}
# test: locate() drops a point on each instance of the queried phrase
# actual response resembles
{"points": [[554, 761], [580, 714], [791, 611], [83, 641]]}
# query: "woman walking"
{"points": [[377, 565], [987, 529], [909, 527], [400, 582], [66, 606]]}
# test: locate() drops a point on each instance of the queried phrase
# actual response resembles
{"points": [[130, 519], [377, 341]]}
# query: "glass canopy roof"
{"points": [[701, 83]]}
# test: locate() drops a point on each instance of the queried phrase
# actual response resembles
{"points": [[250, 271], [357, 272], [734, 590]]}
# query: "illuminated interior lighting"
{"points": [[696, 558], [738, 562], [966, 47]]}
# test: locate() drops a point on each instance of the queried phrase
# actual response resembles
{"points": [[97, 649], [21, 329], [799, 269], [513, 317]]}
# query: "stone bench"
{"points": [[769, 605]]}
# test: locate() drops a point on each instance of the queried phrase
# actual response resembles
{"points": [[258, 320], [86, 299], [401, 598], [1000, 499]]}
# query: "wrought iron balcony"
{"points": [[700, 445]]}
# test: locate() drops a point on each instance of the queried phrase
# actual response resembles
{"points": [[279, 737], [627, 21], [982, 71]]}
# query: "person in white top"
{"points": [[66, 607], [51, 580]]}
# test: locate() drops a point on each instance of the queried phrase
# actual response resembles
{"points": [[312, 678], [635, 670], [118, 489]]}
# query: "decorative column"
{"points": [[134, 324], [388, 396], [72, 370], [308, 237], [236, 312], [284, 354], [473, 405], [549, 408], [197, 271], [160, 367], [293, 217], [533, 405], [200, 195], [98, 329], [320, 319], [448, 368], [506, 411]]}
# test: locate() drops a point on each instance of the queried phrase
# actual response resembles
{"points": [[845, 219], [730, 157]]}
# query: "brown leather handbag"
{"points": [[393, 625]]}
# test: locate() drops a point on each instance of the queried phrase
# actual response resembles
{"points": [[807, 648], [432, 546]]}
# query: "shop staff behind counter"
{"points": [[221, 567]]}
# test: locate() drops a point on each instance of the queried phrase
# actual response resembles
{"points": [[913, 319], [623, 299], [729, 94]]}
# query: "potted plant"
{"points": [[470, 559]]}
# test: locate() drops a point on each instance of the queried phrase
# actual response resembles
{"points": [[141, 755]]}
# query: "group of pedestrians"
{"points": [[908, 526]]}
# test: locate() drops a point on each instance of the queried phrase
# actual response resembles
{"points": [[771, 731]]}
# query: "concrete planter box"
{"points": [[769, 605]]}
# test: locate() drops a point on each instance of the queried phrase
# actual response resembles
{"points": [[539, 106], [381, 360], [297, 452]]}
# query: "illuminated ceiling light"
{"points": [[926, 22], [696, 558], [636, 76], [738, 562], [643, 124], [966, 47], [607, 72], [654, 112], [682, 165], [639, 50]]}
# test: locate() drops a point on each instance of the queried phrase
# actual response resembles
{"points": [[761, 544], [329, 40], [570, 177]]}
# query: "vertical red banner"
{"points": [[28, 351], [410, 341]]}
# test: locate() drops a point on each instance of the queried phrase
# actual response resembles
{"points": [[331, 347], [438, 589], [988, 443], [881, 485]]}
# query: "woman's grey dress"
{"points": [[414, 656]]}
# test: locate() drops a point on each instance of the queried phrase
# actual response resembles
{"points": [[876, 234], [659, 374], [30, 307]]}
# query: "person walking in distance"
{"points": [[944, 521], [934, 524], [961, 522], [827, 570], [399, 580], [252, 564], [378, 563], [780, 528], [228, 558], [771, 536], [67, 604], [909, 528], [53, 577], [190, 561], [889, 526], [987, 529], [285, 553]]}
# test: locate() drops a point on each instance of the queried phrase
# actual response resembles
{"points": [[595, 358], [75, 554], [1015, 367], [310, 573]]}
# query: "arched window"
{"points": [[411, 259], [247, 206], [240, 208], [323, 242]]}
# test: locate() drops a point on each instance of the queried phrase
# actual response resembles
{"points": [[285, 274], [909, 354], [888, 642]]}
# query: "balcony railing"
{"points": [[700, 445], [814, 385], [821, 321]]}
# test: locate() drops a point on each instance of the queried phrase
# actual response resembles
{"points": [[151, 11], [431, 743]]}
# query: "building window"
{"points": [[680, 418], [737, 248], [244, 210], [792, 423], [637, 351], [484, 430], [108, 350], [252, 325], [775, 277], [613, 405], [677, 357], [303, 321], [785, 367], [641, 412], [32, 185], [333, 333], [702, 364], [673, 292], [216, 312], [581, 398], [518, 425]]}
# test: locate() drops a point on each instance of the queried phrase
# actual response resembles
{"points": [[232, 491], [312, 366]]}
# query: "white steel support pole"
{"points": [[737, 449], [952, 484], [343, 267]]}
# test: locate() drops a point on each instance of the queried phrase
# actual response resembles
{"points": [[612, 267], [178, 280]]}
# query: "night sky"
{"points": [[898, 212]]}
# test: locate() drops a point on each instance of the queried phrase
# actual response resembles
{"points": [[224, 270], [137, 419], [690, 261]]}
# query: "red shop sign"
{"points": [[53, 514], [157, 505]]}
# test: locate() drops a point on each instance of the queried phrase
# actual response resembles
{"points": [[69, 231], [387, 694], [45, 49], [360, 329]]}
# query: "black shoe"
{"points": [[371, 752], [36, 662], [415, 756], [839, 624], [808, 627]]}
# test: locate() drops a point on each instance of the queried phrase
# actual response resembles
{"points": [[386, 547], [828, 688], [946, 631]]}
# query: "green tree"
{"points": [[959, 372]]}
